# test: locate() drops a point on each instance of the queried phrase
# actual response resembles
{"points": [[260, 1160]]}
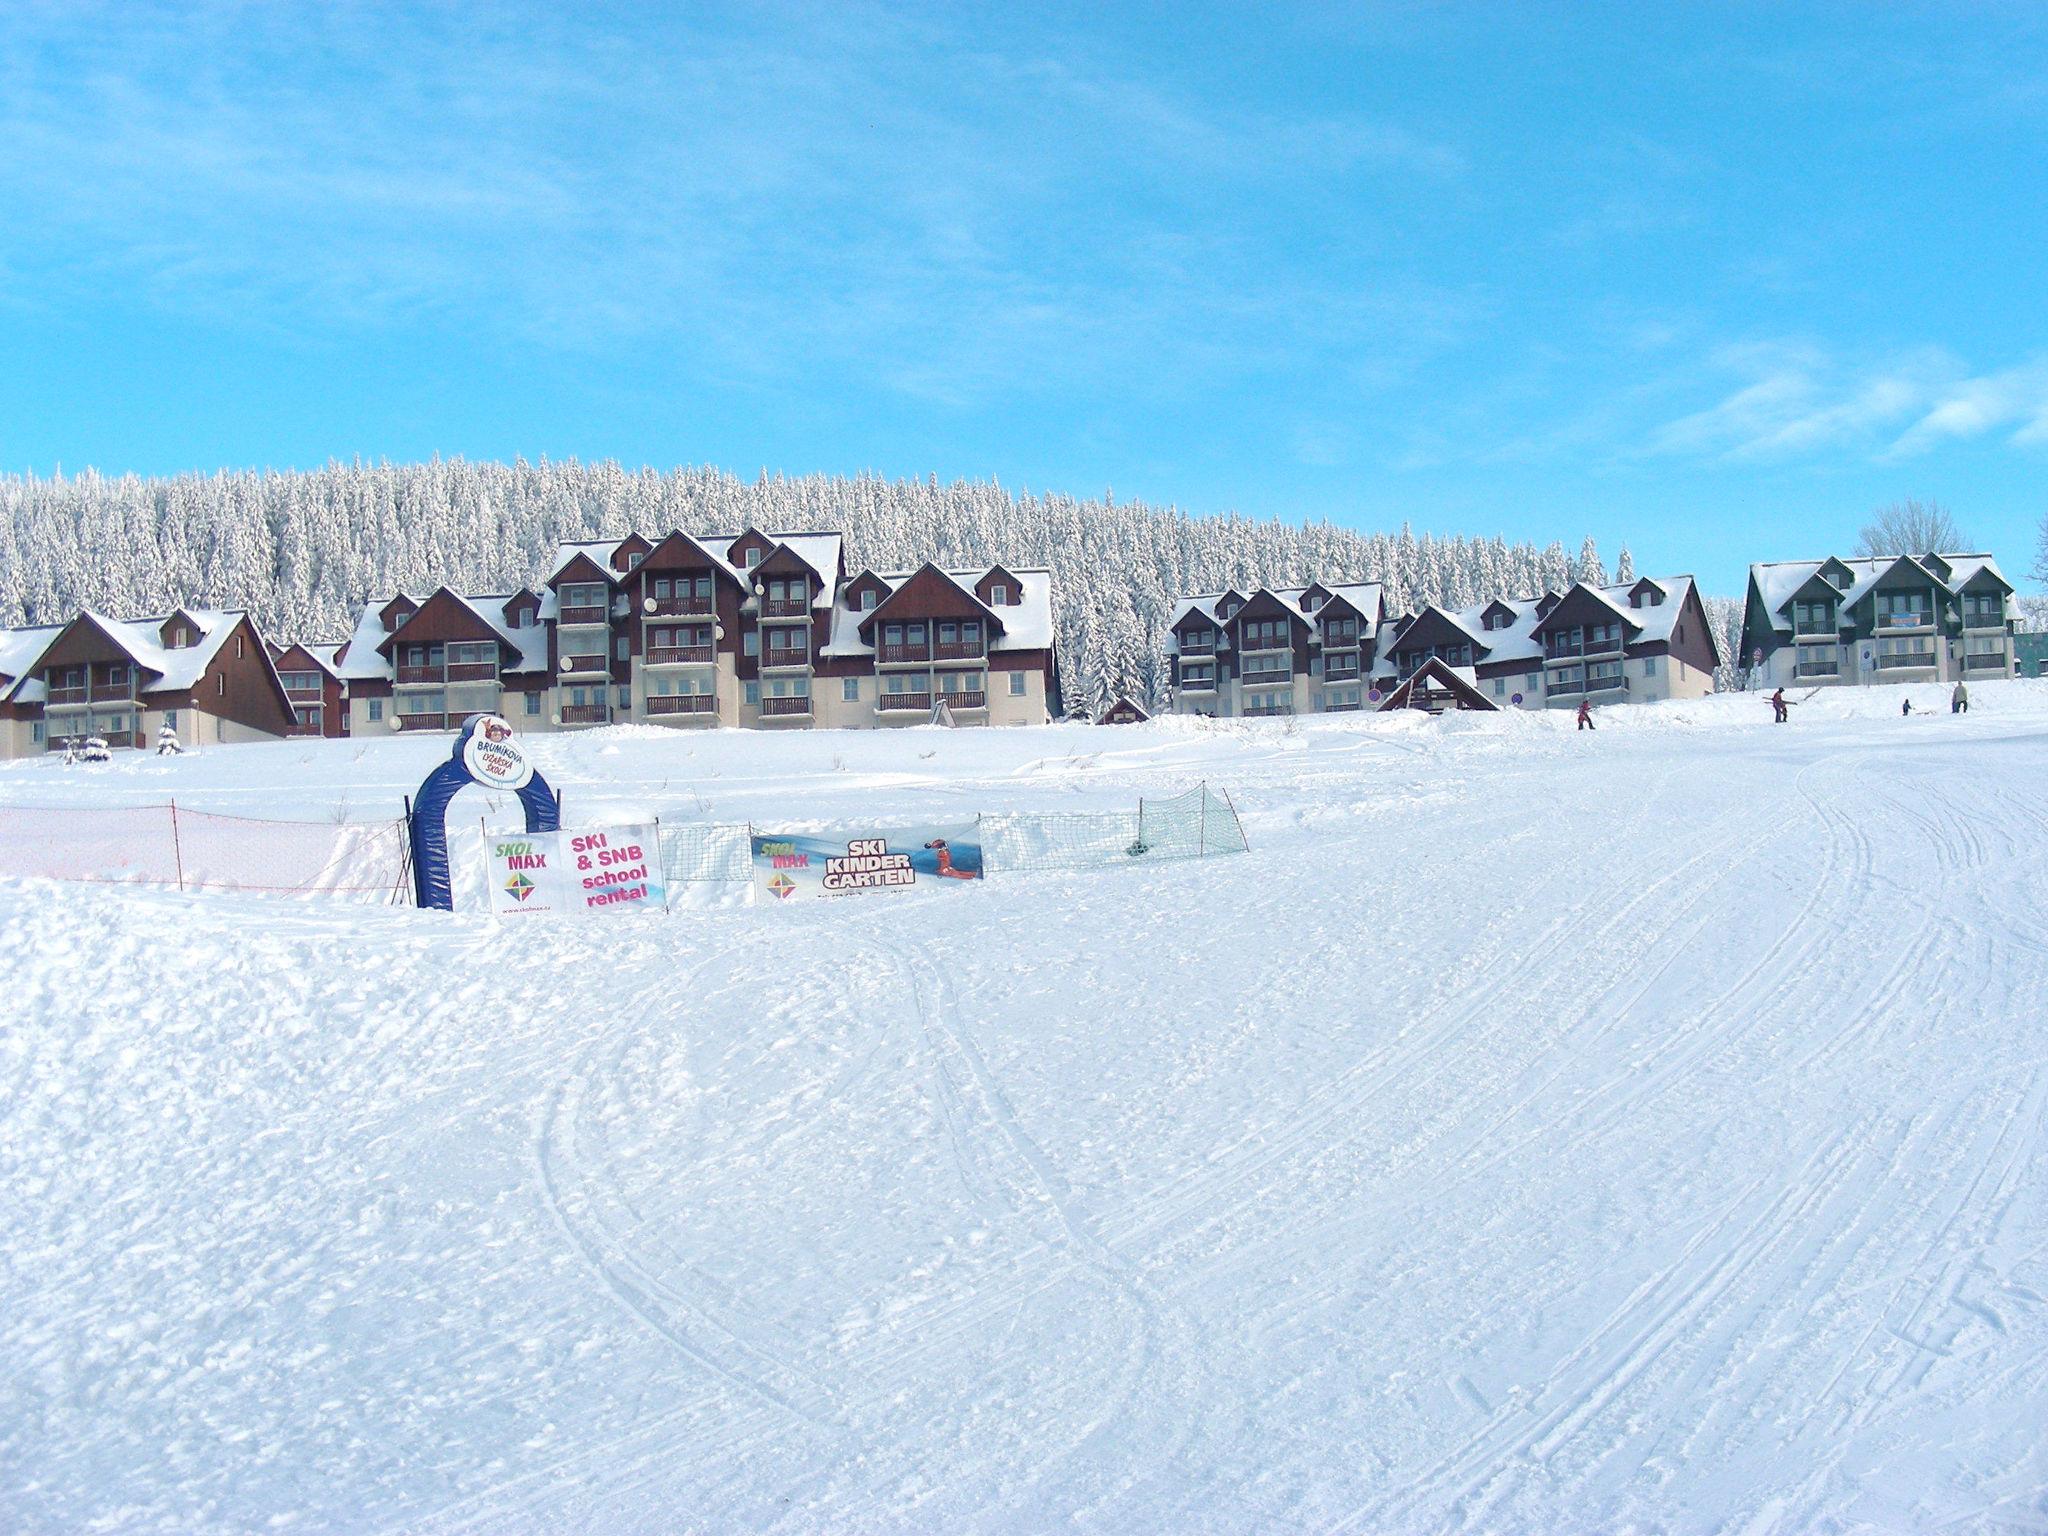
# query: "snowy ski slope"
{"points": [[1536, 1131]]}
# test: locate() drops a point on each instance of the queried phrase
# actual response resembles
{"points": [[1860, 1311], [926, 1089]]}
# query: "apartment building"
{"points": [[1883, 619], [1330, 648], [1286, 651], [752, 629], [205, 673], [1633, 642], [312, 680]]}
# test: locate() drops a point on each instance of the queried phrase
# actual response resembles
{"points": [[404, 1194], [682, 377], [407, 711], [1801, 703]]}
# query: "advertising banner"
{"points": [[611, 869], [790, 864]]}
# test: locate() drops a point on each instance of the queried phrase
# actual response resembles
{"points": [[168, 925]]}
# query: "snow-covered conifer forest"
{"points": [[305, 548]]}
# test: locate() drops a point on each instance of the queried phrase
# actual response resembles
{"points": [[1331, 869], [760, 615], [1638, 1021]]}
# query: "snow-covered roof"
{"points": [[1515, 642], [1365, 596], [359, 661], [820, 551], [1778, 581], [1027, 624], [172, 669]]}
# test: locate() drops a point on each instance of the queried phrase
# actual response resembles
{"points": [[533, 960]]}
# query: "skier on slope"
{"points": [[1959, 701], [1780, 710], [1586, 715], [1906, 708]]}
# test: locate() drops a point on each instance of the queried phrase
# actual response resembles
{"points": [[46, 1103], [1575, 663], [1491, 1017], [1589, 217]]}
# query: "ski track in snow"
{"points": [[1641, 1131]]}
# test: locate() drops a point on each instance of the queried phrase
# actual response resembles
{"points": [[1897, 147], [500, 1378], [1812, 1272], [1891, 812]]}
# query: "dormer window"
{"points": [[867, 599], [999, 594], [750, 558]]}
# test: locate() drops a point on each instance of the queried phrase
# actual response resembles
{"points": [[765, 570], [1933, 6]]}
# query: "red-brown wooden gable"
{"points": [[82, 642], [931, 594], [396, 612], [581, 568], [442, 617], [622, 554], [1003, 574], [1582, 605]]}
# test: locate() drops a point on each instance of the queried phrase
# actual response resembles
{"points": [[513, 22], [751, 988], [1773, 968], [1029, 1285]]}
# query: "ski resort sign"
{"points": [[608, 869], [790, 864], [492, 755]]}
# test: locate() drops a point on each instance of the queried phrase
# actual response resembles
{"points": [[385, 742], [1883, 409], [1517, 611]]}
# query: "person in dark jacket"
{"points": [[1586, 714], [1906, 708], [1780, 710]]}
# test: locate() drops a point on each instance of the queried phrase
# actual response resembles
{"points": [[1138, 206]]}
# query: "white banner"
{"points": [[607, 869]]}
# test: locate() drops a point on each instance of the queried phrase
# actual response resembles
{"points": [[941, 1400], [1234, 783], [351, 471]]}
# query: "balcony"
{"points": [[1612, 684], [1904, 623], [426, 722], [1826, 631], [900, 702], [586, 616], [1984, 620], [785, 661], [775, 706], [1344, 674], [1818, 669], [586, 714], [681, 704], [1198, 647], [113, 693], [1994, 661], [574, 664], [681, 655], [785, 607], [1198, 685], [677, 607], [1906, 661], [965, 698], [1559, 652], [1564, 687], [1266, 711], [1252, 679], [78, 695]]}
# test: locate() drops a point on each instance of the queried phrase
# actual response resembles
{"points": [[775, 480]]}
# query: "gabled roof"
{"points": [[585, 565], [174, 670], [1435, 673], [1603, 600], [1366, 598], [1778, 582], [321, 653], [924, 575], [362, 658], [1464, 624], [1027, 625]]}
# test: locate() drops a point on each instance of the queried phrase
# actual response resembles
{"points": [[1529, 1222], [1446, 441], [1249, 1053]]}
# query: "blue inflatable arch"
{"points": [[427, 827]]}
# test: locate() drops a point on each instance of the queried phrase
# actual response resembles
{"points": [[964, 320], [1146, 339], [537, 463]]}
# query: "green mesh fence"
{"points": [[1194, 825]]}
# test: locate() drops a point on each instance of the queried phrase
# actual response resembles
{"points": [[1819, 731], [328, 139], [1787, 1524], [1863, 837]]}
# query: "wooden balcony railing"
{"points": [[1984, 663], [422, 722], [1340, 674], [785, 607], [896, 655], [1904, 661], [113, 693], [586, 615], [584, 664], [1266, 679], [680, 655], [966, 698], [681, 703], [1262, 711], [775, 706], [785, 660], [1198, 647], [1809, 628], [585, 714], [959, 650], [1983, 621], [68, 695], [902, 701], [686, 607], [1616, 683], [1818, 669]]}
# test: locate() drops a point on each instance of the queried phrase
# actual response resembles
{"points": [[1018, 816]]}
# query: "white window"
{"points": [[849, 689], [867, 599], [376, 709], [751, 559], [998, 595], [1016, 685], [753, 693], [1649, 666]]}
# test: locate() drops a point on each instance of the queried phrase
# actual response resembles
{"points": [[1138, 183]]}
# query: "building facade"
{"points": [[206, 674], [1329, 648], [1267, 651], [1887, 619], [750, 629]]}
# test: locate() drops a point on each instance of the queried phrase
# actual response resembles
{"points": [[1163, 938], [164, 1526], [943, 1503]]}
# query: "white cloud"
{"points": [[1799, 399]]}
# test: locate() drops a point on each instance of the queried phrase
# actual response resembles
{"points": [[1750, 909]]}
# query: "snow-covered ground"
{"points": [[1535, 1131]]}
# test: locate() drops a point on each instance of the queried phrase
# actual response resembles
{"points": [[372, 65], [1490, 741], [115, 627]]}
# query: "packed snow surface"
{"points": [[1536, 1131]]}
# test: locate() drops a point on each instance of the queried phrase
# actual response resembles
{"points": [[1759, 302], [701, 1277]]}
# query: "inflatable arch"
{"points": [[485, 753]]}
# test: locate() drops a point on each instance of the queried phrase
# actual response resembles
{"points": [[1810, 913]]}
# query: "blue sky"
{"points": [[1715, 279]]}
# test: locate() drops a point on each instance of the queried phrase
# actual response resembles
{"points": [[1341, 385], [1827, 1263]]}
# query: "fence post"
{"points": [[1201, 823], [177, 846], [404, 856], [661, 862]]}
